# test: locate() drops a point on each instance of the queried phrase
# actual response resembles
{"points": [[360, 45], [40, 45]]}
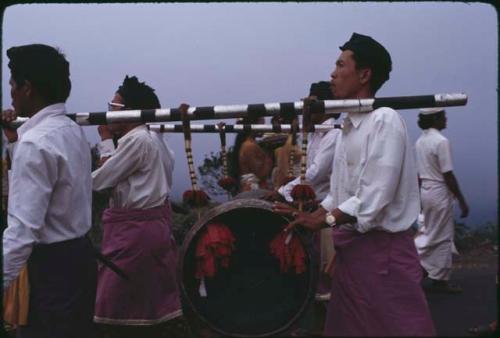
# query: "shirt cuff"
{"points": [[327, 203], [106, 148], [283, 191], [351, 206]]}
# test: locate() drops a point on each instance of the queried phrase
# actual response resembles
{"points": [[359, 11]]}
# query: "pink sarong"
{"points": [[376, 287], [139, 242]]}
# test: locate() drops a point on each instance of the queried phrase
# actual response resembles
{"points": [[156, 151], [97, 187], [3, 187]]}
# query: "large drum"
{"points": [[250, 298]]}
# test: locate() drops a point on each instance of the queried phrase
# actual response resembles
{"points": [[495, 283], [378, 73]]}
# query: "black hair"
{"points": [[234, 154], [137, 95], [380, 70], [322, 90], [427, 121], [45, 67]]}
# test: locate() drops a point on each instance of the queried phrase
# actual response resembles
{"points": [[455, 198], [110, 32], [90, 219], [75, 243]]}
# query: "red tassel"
{"points": [[195, 198], [303, 192], [215, 245], [227, 183], [291, 256]]}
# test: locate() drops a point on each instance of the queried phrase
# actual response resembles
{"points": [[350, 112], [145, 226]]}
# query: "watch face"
{"points": [[330, 219]]}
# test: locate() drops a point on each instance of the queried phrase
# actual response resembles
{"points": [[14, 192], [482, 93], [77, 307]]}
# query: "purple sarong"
{"points": [[376, 287], [140, 243], [62, 279]]}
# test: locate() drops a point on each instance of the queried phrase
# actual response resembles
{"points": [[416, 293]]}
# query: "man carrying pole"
{"points": [[372, 203], [137, 226], [49, 209]]}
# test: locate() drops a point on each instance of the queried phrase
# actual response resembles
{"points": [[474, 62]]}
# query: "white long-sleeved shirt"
{"points": [[433, 155], [136, 172], [106, 148], [374, 176], [50, 187], [320, 151]]}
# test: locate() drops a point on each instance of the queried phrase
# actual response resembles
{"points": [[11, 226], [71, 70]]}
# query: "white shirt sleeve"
{"points": [[286, 190], [320, 167], [106, 148], [34, 174], [128, 157], [322, 162], [444, 156], [379, 175]]}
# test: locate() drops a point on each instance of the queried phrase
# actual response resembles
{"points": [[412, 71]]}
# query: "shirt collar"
{"points": [[49, 111], [132, 132], [355, 118], [432, 131], [330, 121]]}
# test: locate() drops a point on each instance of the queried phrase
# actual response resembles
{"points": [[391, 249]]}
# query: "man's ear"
{"points": [[28, 88], [365, 75]]}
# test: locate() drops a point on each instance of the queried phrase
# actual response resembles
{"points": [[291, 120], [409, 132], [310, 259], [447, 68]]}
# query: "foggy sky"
{"points": [[215, 53]]}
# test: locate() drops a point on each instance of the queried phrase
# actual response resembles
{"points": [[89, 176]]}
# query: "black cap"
{"points": [[369, 50], [321, 90]]}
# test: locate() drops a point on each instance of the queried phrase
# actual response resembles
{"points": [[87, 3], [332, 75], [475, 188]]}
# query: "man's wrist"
{"points": [[330, 220]]}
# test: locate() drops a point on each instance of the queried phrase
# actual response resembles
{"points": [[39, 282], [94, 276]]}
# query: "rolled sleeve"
{"points": [[328, 203], [106, 148], [351, 206], [127, 158], [286, 190]]}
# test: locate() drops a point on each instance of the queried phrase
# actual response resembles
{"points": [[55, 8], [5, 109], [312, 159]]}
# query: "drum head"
{"points": [[252, 297]]}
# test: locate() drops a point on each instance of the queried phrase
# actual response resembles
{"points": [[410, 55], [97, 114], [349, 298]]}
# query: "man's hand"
{"points": [[104, 132], [8, 116], [273, 196], [311, 221], [464, 208], [102, 160], [183, 107]]}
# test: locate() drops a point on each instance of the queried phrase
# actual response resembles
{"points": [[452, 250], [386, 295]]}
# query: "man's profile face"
{"points": [[345, 79], [116, 104], [18, 98]]}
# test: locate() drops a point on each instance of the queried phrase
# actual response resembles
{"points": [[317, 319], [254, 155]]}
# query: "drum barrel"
{"points": [[250, 298]]}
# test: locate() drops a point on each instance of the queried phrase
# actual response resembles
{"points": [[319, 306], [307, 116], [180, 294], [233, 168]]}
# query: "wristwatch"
{"points": [[330, 219]]}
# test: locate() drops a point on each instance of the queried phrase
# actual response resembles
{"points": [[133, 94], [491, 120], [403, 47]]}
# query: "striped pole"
{"points": [[222, 134], [189, 153], [267, 109], [238, 128], [195, 197], [291, 156]]}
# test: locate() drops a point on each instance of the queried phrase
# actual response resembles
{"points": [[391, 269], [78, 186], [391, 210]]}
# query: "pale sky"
{"points": [[242, 53]]}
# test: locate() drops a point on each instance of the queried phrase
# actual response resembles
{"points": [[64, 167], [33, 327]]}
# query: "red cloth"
{"points": [[303, 192], [215, 244], [195, 198], [227, 183], [291, 255]]}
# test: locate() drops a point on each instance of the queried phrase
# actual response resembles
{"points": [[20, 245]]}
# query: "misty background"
{"points": [[241, 53]]}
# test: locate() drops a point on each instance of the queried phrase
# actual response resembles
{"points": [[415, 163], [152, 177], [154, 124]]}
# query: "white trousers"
{"points": [[434, 240]]}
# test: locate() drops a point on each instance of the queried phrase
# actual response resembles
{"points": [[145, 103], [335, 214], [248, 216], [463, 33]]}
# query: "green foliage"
{"points": [[182, 223], [467, 237], [211, 172]]}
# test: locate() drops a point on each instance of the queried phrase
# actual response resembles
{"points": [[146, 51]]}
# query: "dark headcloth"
{"points": [[370, 51], [321, 90]]}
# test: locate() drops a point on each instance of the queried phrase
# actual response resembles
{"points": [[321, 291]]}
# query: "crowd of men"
{"points": [[371, 182]]}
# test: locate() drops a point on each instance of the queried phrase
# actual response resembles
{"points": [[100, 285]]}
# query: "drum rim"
{"points": [[204, 219]]}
